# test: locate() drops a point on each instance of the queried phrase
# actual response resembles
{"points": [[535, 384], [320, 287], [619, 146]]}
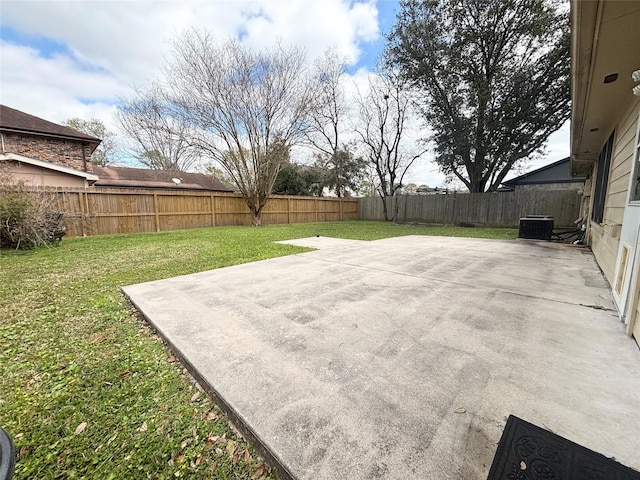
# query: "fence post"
{"points": [[155, 211], [454, 209], [288, 210], [213, 210], [405, 199], [316, 208], [82, 212], [90, 214], [341, 211]]}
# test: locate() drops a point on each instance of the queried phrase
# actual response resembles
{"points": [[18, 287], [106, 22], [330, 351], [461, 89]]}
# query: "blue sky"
{"points": [[63, 59]]}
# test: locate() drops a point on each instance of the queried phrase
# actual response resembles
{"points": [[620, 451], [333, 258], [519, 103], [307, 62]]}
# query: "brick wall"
{"points": [[49, 149]]}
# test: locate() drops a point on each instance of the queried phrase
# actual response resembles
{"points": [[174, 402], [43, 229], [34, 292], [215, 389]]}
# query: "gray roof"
{"points": [[147, 178], [17, 121], [556, 172]]}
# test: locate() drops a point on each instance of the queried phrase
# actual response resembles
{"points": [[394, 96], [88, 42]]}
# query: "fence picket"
{"points": [[503, 209], [108, 211]]}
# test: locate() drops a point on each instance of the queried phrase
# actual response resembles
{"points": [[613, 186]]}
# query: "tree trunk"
{"points": [[396, 207], [256, 215], [384, 207]]}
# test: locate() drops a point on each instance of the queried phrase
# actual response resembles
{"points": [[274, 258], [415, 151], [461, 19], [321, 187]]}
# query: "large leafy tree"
{"points": [[494, 79]]}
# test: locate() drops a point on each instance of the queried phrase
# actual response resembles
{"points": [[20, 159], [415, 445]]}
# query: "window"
{"points": [[600, 195]]}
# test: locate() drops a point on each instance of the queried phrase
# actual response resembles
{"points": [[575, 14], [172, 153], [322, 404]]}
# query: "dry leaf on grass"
{"points": [[80, 428], [231, 448], [210, 416]]}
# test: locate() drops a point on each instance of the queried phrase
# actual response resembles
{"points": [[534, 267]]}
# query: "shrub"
{"points": [[27, 216]]}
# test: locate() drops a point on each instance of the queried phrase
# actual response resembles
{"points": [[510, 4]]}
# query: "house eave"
{"points": [[604, 40]]}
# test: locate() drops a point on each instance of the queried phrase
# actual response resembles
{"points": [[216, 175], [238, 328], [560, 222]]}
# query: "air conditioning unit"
{"points": [[536, 227]]}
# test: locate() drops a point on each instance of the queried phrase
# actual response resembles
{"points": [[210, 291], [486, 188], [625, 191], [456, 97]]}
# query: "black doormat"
{"points": [[528, 452]]}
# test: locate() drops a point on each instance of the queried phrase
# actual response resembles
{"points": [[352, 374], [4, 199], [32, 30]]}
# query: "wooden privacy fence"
{"points": [[501, 209], [118, 210]]}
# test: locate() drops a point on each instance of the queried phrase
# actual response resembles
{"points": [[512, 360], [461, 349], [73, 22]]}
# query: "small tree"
{"points": [[247, 107], [382, 126], [161, 139], [343, 171], [106, 152], [296, 179], [221, 175], [494, 79]]}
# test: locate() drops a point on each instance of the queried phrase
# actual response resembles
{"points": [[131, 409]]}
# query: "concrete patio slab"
{"points": [[352, 360]]}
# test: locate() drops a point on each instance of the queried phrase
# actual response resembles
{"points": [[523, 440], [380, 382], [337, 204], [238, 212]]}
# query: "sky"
{"points": [[64, 59]]}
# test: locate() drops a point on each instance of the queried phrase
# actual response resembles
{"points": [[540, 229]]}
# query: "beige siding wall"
{"points": [[604, 238], [43, 177]]}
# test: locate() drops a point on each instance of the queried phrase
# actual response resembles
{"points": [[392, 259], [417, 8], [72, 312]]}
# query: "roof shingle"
{"points": [[15, 120], [146, 178]]}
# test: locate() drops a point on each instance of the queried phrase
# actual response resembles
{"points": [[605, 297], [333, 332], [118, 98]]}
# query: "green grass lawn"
{"points": [[86, 388]]}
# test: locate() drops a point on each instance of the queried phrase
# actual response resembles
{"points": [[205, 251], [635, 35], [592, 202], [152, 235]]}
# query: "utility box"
{"points": [[536, 227]]}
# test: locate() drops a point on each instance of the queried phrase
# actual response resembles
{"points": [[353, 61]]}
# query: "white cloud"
{"points": [[108, 46], [105, 47], [54, 88]]}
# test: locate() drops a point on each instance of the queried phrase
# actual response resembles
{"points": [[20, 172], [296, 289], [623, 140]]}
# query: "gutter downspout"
{"points": [[2, 139]]}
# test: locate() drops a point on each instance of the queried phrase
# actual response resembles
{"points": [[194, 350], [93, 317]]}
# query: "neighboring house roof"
{"points": [[48, 165], [146, 178], [13, 120], [556, 172]]}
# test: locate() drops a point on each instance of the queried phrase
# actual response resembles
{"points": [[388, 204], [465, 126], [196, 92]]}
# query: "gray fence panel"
{"points": [[503, 209]]}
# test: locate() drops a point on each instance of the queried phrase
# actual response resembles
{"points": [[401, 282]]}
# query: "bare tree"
{"points": [[161, 140], [383, 114], [248, 107], [329, 110], [329, 105]]}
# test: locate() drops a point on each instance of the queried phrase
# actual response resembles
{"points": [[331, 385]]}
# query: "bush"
{"points": [[27, 216]]}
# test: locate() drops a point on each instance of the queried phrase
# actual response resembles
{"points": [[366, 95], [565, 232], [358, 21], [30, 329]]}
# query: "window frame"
{"points": [[602, 180]]}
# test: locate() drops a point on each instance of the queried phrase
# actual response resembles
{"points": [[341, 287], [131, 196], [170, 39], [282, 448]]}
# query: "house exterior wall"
{"points": [[49, 149], [44, 177], [605, 237]]}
